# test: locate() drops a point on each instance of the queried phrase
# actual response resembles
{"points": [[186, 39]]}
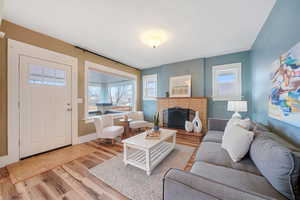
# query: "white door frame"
{"points": [[14, 50]]}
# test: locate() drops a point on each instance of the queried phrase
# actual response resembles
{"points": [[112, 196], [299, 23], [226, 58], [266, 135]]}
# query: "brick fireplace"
{"points": [[174, 111], [175, 117]]}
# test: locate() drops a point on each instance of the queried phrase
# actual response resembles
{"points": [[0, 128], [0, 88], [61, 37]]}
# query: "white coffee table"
{"points": [[148, 153]]}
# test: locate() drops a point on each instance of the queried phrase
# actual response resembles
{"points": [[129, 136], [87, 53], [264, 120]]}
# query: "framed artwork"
{"points": [[284, 100], [180, 86]]}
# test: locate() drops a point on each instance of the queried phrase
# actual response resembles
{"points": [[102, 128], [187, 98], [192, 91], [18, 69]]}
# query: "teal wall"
{"points": [[201, 71], [164, 72], [280, 32], [218, 109]]}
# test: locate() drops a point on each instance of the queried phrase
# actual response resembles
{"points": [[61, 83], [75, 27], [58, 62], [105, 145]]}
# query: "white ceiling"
{"points": [[100, 77], [196, 28]]}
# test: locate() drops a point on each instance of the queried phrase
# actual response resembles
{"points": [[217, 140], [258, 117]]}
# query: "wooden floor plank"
{"points": [[99, 148], [3, 173], [40, 191], [102, 155], [90, 161], [55, 183], [72, 195], [35, 165], [76, 184], [105, 149], [21, 188], [8, 190]]}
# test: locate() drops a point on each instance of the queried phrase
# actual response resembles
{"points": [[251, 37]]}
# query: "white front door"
{"points": [[45, 105]]}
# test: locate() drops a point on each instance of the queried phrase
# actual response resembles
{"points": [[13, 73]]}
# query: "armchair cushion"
{"points": [[112, 132], [138, 115], [139, 124]]}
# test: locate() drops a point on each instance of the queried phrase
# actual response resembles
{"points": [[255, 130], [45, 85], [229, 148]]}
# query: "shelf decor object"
{"points": [[156, 121], [152, 135], [189, 126], [197, 123]]}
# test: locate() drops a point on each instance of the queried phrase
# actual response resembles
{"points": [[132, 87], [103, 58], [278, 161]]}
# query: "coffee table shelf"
{"points": [[148, 153]]}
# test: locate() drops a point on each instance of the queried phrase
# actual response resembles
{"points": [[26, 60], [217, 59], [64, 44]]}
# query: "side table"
{"points": [[125, 123]]}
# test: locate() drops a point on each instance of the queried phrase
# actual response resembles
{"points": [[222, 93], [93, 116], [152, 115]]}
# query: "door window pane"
{"points": [[46, 76]]}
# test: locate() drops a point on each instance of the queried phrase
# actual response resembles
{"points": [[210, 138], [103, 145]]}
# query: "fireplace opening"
{"points": [[175, 117]]}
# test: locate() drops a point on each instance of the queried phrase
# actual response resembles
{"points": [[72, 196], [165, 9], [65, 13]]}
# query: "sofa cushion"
{"points": [[238, 142], [217, 124], [212, 152], [278, 164], [281, 141], [245, 123], [213, 136], [244, 181], [259, 127]]}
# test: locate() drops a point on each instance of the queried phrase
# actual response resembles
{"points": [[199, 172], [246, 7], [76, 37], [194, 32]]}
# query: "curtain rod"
{"points": [[78, 47]]}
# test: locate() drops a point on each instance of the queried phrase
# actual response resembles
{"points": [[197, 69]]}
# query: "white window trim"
{"points": [[216, 68], [145, 78], [14, 50], [90, 65]]}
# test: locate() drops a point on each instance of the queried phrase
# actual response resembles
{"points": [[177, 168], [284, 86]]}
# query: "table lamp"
{"points": [[236, 107]]}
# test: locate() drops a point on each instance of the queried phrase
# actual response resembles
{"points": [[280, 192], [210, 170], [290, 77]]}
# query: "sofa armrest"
{"points": [[217, 124], [180, 185]]}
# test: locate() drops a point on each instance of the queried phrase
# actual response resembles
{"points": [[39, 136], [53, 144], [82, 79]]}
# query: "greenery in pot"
{"points": [[156, 121]]}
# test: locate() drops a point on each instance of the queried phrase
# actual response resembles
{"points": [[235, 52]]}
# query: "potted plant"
{"points": [[156, 121]]}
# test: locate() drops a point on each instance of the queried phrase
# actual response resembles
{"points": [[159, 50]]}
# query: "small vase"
{"points": [[197, 123], [189, 126], [156, 128]]}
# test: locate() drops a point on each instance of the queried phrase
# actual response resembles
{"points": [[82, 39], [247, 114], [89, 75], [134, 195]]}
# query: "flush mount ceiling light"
{"points": [[154, 38]]}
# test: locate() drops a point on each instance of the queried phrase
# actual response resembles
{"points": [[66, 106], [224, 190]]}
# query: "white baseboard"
{"points": [[6, 160], [87, 138]]}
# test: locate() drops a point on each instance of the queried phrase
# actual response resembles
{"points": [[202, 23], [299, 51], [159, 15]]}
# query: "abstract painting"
{"points": [[284, 101]]}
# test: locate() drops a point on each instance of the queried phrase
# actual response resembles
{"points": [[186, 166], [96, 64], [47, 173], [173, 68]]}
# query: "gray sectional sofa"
{"points": [[269, 171]]}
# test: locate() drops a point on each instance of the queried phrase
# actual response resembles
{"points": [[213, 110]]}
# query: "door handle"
{"points": [[69, 109]]}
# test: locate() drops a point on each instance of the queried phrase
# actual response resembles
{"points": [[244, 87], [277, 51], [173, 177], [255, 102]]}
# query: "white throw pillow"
{"points": [[238, 142], [245, 123]]}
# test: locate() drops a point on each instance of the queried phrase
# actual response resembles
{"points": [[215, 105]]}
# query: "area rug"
{"points": [[133, 182]]}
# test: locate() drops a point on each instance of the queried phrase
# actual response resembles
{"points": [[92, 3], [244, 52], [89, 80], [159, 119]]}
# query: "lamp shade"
{"points": [[237, 106]]}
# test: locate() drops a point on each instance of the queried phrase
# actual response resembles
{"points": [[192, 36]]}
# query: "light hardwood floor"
{"points": [[71, 180]]}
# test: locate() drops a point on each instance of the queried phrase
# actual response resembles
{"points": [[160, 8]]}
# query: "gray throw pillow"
{"points": [[278, 164]]}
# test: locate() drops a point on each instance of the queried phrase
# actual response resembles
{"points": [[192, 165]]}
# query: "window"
{"points": [[109, 93], [46, 76], [150, 87], [227, 82], [121, 94]]}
